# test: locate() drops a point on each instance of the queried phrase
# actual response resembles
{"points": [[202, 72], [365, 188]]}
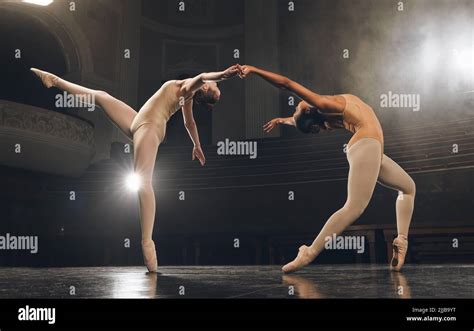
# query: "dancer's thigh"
{"points": [[146, 144], [364, 161]]}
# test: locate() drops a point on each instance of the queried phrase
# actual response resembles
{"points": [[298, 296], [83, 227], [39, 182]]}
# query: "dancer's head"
{"points": [[208, 94], [309, 119]]}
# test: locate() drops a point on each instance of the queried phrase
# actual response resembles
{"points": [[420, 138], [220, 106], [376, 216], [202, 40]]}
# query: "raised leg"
{"points": [[119, 112], [146, 145]]}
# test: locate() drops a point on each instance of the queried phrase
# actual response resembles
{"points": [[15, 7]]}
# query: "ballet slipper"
{"points": [[47, 79], [303, 259], [400, 249], [149, 256]]}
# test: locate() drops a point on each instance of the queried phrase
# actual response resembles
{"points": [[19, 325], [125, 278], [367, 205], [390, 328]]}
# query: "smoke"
{"points": [[424, 49]]}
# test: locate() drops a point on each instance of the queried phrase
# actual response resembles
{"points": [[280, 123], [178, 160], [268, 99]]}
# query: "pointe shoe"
{"points": [[400, 249], [149, 256], [303, 259], [47, 79]]}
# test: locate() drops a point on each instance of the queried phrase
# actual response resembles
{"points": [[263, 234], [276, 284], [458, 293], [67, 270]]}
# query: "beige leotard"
{"points": [[159, 108], [358, 118]]}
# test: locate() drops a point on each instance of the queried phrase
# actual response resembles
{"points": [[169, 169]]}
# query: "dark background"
{"points": [[426, 49]]}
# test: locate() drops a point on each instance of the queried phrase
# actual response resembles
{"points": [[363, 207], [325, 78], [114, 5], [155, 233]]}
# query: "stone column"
{"points": [[129, 68], [261, 50]]}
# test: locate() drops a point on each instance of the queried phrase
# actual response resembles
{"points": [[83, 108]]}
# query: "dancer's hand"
{"points": [[272, 124], [231, 72], [198, 153], [245, 70]]}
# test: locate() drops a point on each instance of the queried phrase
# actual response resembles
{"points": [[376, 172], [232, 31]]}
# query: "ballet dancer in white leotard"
{"points": [[147, 130]]}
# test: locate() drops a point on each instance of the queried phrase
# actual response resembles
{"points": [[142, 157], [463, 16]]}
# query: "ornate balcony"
{"points": [[43, 140]]}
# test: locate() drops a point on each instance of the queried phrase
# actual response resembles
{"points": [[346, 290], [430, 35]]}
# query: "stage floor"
{"points": [[319, 281]]}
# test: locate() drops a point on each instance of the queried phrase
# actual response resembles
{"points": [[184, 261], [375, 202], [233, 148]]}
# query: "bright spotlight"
{"points": [[463, 59], [39, 2], [133, 182], [429, 55]]}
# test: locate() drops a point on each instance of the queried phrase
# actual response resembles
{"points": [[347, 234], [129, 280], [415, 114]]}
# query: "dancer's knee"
{"points": [[357, 211], [410, 189], [354, 210], [146, 184]]}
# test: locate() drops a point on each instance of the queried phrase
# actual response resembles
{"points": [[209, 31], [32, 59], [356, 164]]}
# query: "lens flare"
{"points": [[133, 182]]}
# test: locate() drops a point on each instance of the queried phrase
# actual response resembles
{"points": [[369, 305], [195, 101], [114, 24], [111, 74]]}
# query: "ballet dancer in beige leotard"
{"points": [[147, 130], [368, 164]]}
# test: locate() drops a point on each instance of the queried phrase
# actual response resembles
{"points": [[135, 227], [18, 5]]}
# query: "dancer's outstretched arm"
{"points": [[323, 103], [191, 127], [277, 121], [191, 85]]}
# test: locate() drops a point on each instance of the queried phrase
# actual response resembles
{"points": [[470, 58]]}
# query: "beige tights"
{"points": [[366, 167], [145, 142]]}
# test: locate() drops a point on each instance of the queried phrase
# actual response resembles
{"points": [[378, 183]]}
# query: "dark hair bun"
{"points": [[204, 98], [310, 123]]}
